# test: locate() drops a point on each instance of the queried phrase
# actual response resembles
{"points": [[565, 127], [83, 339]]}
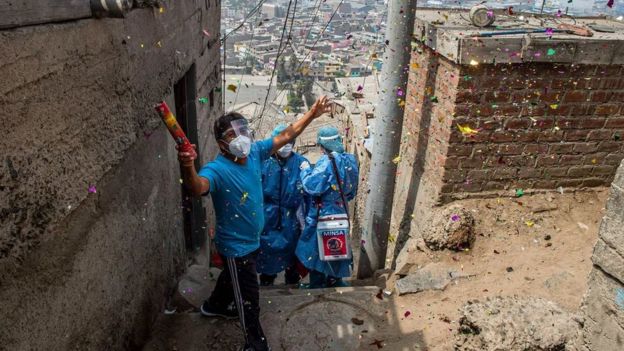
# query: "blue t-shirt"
{"points": [[236, 192]]}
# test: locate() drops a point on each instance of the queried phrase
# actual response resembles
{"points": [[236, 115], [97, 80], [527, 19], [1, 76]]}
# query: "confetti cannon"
{"points": [[176, 132]]}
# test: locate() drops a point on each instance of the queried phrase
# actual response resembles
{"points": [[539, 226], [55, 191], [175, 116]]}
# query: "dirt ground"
{"points": [[534, 245], [538, 245]]}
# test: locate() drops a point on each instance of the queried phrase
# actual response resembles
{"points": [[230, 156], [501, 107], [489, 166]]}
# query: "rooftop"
{"points": [[536, 38]]}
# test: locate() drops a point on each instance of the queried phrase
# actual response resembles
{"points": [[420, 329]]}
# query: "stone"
{"points": [[450, 228], [603, 310], [431, 277], [513, 323]]}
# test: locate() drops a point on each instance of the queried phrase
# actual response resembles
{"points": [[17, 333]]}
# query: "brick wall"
{"points": [[540, 125]]}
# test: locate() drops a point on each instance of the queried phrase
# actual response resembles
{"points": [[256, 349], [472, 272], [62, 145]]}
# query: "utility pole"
{"points": [[386, 136]]}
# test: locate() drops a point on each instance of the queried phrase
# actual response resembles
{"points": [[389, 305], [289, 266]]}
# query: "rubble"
{"points": [[451, 228], [431, 277], [514, 323]]}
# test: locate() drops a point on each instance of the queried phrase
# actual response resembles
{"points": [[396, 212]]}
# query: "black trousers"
{"points": [[238, 282]]}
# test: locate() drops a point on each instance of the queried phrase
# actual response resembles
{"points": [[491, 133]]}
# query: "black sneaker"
{"points": [[209, 311]]}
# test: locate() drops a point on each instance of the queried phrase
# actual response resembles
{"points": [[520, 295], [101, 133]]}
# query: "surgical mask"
{"points": [[285, 150], [240, 146]]}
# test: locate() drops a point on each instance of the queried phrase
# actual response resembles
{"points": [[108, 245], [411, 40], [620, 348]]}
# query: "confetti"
{"points": [[519, 192], [407, 314], [549, 32], [550, 52], [415, 66], [554, 106], [466, 130], [360, 88], [92, 189], [396, 160], [529, 223], [610, 3], [474, 63], [206, 33], [399, 92], [455, 218], [231, 87], [203, 100]]}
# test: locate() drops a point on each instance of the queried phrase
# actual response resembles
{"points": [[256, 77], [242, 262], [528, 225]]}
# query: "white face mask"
{"points": [[240, 146], [285, 150]]}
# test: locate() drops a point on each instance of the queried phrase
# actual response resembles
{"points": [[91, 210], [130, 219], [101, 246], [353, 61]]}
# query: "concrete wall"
{"points": [[603, 305], [82, 270]]}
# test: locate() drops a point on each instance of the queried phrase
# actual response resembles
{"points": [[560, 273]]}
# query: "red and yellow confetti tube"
{"points": [[177, 133]]}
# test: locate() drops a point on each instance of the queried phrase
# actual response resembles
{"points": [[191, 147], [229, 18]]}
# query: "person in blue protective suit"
{"points": [[283, 200], [321, 184]]}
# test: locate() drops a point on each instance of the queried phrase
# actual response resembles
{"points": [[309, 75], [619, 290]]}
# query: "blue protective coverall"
{"points": [[283, 195], [321, 184]]}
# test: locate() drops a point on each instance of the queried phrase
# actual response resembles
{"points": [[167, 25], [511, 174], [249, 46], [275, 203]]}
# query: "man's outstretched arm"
{"points": [[321, 106], [194, 183]]}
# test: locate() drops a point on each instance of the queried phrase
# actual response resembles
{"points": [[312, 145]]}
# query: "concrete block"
{"points": [[603, 309], [609, 260]]}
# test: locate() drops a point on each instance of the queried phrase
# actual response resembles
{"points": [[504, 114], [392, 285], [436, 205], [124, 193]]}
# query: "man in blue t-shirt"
{"points": [[234, 181]]}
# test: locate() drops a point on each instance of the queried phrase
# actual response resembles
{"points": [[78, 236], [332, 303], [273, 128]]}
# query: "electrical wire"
{"points": [[280, 50], [251, 13]]}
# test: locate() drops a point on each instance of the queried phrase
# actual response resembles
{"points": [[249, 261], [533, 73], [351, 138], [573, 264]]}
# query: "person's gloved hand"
{"points": [[304, 165]]}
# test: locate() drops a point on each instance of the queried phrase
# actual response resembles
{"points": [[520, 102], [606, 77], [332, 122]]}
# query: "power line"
{"points": [[313, 45], [279, 53], [251, 13]]}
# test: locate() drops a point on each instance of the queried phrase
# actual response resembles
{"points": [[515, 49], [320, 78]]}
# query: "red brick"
{"points": [[595, 158], [523, 183], [536, 148], [518, 123], [482, 136], [511, 149], [451, 162], [492, 83], [604, 170], [546, 160], [512, 110], [551, 97], [607, 70], [606, 110], [490, 124], [494, 186], [575, 96], [586, 147], [615, 123], [580, 171], [544, 184], [568, 183], [519, 161], [575, 135], [527, 172], [447, 188], [527, 136], [561, 148], [581, 110], [477, 174], [454, 175], [611, 83], [497, 97], [610, 146], [472, 162], [594, 182], [504, 173], [592, 123], [600, 134], [551, 135], [614, 159], [467, 96], [544, 123], [460, 150], [556, 172], [533, 111], [563, 83], [561, 110], [483, 110], [568, 160], [468, 187], [501, 137], [601, 96]]}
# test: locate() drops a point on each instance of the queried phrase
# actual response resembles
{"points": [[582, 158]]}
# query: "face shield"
{"points": [[240, 127], [240, 138]]}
